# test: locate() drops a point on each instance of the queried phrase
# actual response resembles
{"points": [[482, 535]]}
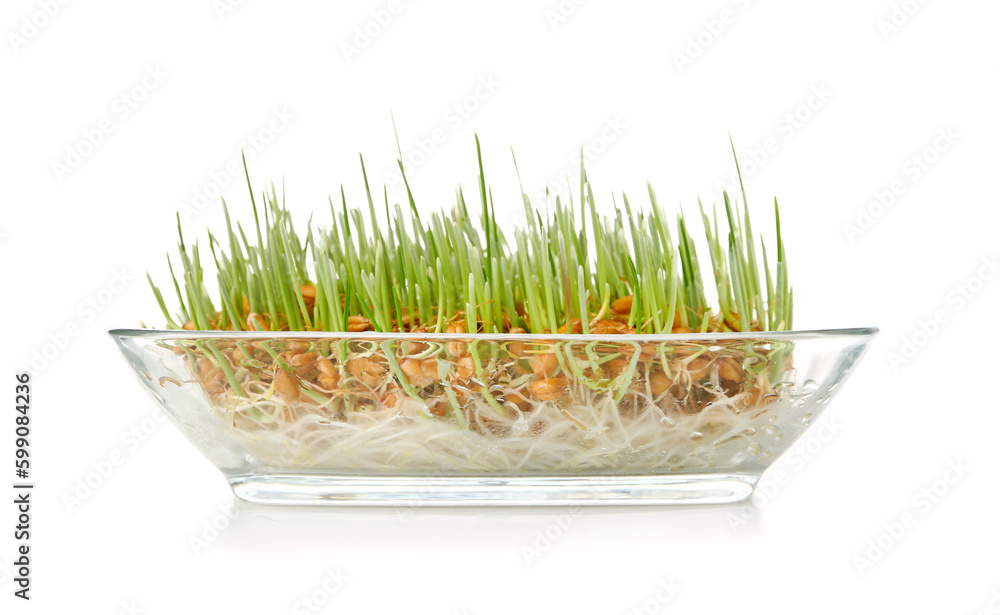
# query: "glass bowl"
{"points": [[372, 418]]}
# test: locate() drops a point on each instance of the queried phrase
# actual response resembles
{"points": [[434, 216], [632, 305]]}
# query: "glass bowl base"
{"points": [[315, 489]]}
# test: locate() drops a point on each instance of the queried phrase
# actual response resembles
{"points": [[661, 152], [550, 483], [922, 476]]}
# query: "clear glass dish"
{"points": [[369, 418]]}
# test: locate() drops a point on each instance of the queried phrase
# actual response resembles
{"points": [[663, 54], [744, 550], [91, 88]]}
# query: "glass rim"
{"points": [[185, 334]]}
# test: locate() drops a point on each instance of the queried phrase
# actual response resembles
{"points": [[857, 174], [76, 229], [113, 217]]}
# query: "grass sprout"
{"points": [[500, 404], [572, 270]]}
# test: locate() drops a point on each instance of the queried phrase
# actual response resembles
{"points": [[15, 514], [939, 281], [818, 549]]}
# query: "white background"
{"points": [[828, 104]]}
